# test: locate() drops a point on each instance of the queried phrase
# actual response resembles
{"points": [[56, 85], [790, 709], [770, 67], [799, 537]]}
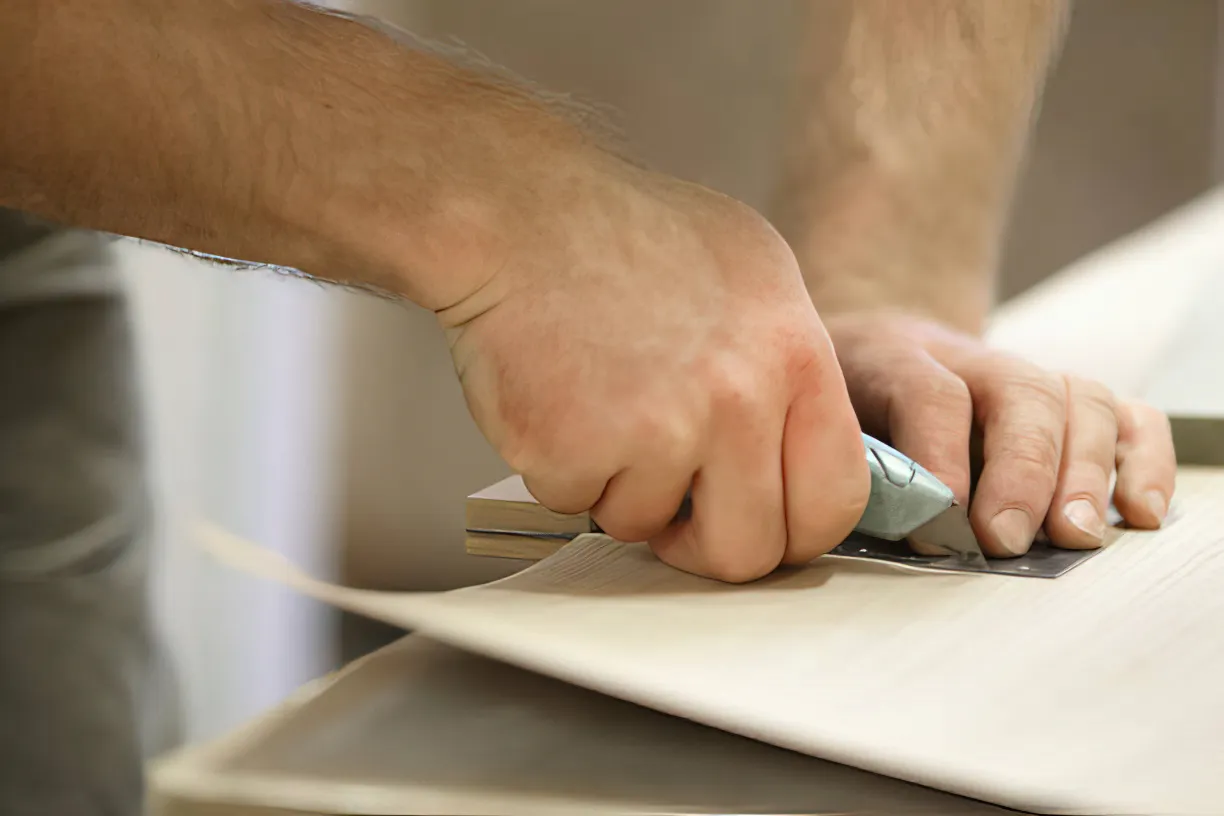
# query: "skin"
{"points": [[700, 362], [659, 328], [910, 129]]}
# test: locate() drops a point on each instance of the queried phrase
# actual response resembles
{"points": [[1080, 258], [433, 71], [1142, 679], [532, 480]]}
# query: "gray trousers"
{"points": [[79, 668]]}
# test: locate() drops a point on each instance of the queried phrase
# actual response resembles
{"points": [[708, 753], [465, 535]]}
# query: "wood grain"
{"points": [[1095, 693], [421, 728]]}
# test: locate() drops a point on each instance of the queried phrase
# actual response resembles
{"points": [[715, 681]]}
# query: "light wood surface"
{"points": [[1094, 693], [526, 548], [421, 728]]}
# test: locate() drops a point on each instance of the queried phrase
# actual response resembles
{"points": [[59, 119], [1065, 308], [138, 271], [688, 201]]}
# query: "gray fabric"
{"points": [[18, 231], [41, 262], [78, 661]]}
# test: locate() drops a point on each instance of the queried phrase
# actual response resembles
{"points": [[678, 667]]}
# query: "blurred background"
{"points": [[328, 425]]}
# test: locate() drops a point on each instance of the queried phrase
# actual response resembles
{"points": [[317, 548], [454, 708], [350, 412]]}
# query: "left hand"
{"points": [[1050, 444]]}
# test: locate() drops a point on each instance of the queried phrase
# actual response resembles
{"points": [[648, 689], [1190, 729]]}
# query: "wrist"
{"points": [[868, 239]]}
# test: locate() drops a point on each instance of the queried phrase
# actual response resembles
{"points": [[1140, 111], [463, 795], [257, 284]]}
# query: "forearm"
{"points": [[912, 122], [262, 131]]}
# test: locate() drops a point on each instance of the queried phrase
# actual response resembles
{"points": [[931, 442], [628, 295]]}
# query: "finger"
{"points": [[576, 492], [930, 422], [1081, 497], [1023, 415], [737, 529], [1147, 465], [922, 408], [908, 398], [640, 502], [827, 481]]}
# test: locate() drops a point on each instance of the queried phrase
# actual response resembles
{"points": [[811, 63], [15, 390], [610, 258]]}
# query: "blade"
{"points": [[908, 502], [951, 531]]}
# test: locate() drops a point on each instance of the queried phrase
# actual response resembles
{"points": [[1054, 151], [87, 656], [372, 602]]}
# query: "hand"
{"points": [[1049, 444], [645, 335]]}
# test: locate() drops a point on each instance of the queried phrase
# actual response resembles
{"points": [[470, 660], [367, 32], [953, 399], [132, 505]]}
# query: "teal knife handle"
{"points": [[904, 495]]}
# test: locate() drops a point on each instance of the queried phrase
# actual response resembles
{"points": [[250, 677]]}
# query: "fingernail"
{"points": [[1157, 503], [1085, 517], [1012, 529]]}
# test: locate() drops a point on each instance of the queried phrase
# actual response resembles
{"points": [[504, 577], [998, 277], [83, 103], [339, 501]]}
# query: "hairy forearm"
{"points": [[263, 131], [912, 122]]}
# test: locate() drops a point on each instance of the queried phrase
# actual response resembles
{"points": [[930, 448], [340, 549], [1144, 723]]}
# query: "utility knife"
{"points": [[906, 502]]}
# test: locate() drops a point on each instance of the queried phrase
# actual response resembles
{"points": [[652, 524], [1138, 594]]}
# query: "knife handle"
{"points": [[904, 495]]}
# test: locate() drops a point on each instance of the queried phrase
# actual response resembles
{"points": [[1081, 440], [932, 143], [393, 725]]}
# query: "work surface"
{"points": [[1097, 692], [421, 728]]}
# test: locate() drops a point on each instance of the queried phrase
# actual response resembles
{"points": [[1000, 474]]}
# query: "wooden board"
{"points": [[1096, 693], [420, 728], [508, 505], [525, 548]]}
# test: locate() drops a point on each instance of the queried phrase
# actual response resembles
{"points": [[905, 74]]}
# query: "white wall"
{"points": [[236, 368]]}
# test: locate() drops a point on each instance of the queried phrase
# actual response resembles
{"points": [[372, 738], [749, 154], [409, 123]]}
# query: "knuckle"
{"points": [[666, 436], [1003, 378], [518, 455], [804, 363], [626, 526], [938, 388], [1034, 448], [1091, 394], [732, 385], [565, 496], [1030, 383], [529, 445], [1146, 416], [755, 228], [535, 454], [737, 566]]}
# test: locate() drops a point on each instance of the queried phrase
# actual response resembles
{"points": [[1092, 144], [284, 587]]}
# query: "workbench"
{"points": [[422, 728]]}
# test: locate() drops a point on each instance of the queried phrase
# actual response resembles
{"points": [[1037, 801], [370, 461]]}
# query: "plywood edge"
{"points": [[527, 548], [508, 505]]}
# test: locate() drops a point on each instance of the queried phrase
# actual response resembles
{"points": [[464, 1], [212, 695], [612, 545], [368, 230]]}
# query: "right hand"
{"points": [[643, 336]]}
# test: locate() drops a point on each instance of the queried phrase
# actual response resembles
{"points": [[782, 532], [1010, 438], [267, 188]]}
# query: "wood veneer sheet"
{"points": [[423, 728], [1099, 692]]}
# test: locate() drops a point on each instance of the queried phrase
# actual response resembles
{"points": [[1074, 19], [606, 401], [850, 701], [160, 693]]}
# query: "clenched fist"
{"points": [[1050, 446], [642, 336]]}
